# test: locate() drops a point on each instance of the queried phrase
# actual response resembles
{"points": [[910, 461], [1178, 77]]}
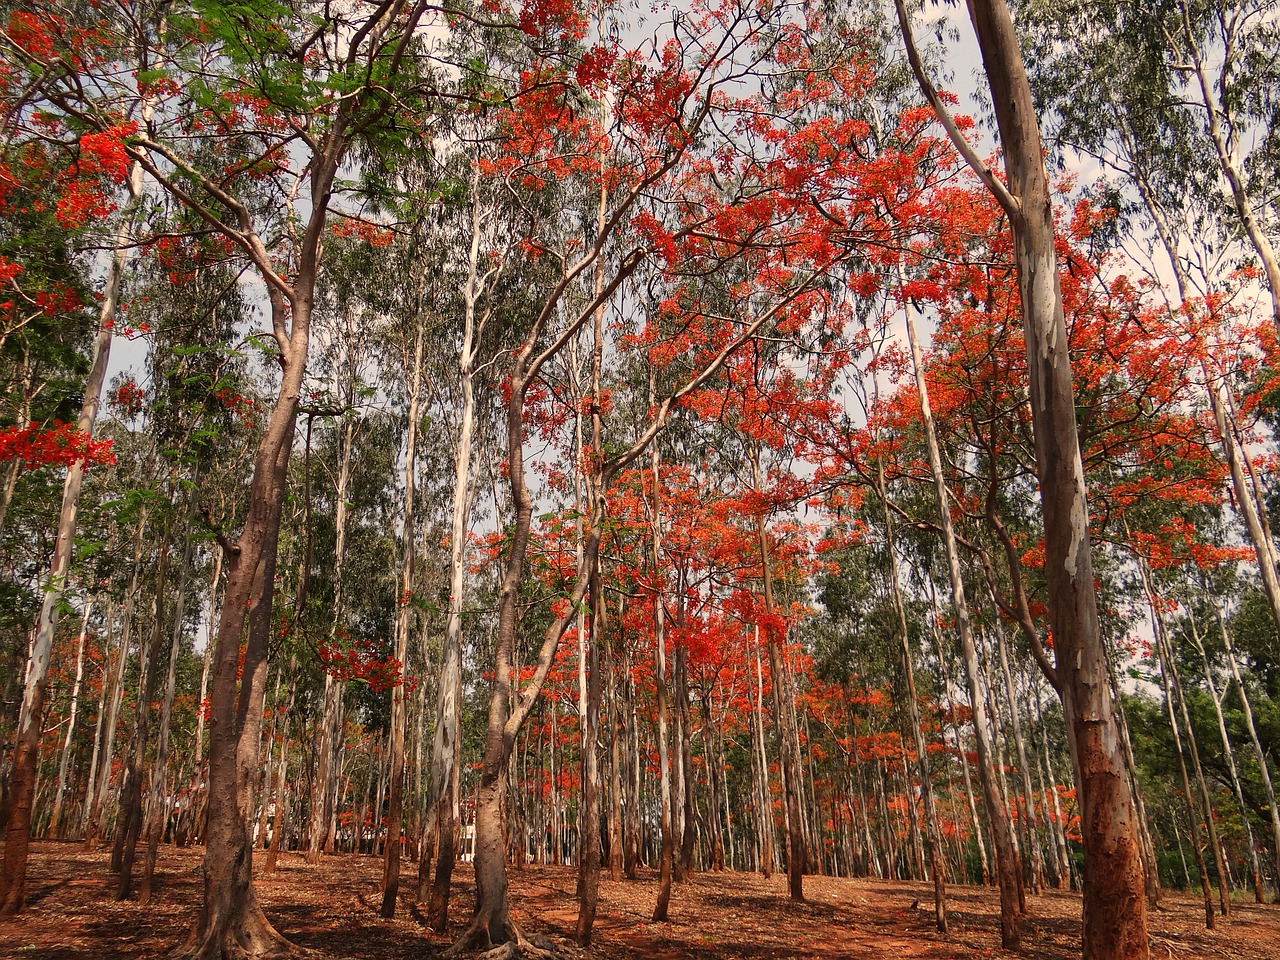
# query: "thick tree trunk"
{"points": [[231, 922]]}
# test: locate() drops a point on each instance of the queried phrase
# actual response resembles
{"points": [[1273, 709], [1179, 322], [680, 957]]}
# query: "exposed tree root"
{"points": [[477, 937]]}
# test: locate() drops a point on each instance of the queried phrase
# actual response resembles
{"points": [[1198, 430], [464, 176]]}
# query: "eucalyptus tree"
{"points": [[1114, 902]]}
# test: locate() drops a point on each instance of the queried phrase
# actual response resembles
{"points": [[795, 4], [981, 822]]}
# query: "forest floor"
{"points": [[332, 908]]}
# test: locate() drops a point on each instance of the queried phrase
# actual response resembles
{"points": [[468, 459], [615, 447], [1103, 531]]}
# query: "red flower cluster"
{"points": [[127, 399], [62, 445], [358, 661], [245, 409]]}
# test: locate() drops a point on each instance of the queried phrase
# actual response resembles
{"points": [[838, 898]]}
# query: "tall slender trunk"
{"points": [[446, 748], [660, 682], [404, 623], [937, 864], [689, 828], [1051, 785], [616, 728], [280, 821], [763, 800], [975, 820], [106, 702], [1259, 753], [1192, 829], [130, 823], [1173, 687], [26, 744], [56, 819], [324, 800], [1255, 868], [96, 814], [157, 808], [1007, 870], [787, 737], [1024, 767]]}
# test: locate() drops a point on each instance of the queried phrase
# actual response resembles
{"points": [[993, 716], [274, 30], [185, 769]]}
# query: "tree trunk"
{"points": [[56, 819], [937, 864], [763, 800], [158, 808], [130, 823], [1173, 685], [1024, 767], [1258, 751], [1192, 829], [589, 836], [1115, 918], [106, 703], [96, 812], [231, 922], [660, 682], [787, 738], [404, 622], [26, 744], [1007, 870], [1255, 868]]}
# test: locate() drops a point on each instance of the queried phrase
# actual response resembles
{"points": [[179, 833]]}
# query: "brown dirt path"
{"points": [[333, 908]]}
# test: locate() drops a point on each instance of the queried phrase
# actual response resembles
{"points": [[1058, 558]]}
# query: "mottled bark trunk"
{"points": [[1115, 919]]}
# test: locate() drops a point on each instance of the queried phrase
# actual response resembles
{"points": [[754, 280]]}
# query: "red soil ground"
{"points": [[332, 908]]}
